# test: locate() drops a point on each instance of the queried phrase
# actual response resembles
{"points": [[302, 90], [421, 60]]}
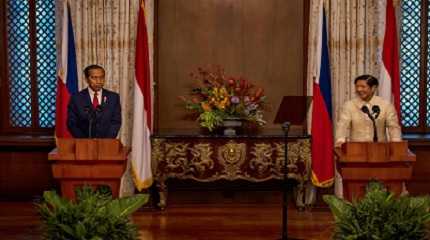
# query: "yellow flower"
{"points": [[223, 103], [223, 92]]}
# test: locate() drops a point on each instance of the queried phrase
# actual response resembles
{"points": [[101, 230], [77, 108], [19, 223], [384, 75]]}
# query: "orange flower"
{"points": [[206, 107], [225, 102]]}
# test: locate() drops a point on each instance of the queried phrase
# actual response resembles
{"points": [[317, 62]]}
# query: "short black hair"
{"points": [[91, 67], [370, 80]]}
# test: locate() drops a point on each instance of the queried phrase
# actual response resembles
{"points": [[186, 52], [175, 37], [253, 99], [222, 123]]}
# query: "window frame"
{"points": [[423, 91], [5, 125]]}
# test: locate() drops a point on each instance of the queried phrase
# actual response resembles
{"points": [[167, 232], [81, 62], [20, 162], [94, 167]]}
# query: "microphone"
{"points": [[286, 126], [99, 108], [376, 111], [365, 109]]}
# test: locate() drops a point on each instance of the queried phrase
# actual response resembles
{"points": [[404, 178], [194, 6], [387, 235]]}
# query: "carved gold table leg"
{"points": [[300, 190], [162, 191]]}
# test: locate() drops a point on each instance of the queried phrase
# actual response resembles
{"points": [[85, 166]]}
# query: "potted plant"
{"points": [[380, 215], [221, 100], [94, 216]]}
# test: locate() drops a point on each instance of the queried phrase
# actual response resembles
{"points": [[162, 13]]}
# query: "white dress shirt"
{"points": [[99, 95]]}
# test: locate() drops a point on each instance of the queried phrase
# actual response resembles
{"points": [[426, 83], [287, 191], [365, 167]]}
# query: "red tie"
{"points": [[95, 100]]}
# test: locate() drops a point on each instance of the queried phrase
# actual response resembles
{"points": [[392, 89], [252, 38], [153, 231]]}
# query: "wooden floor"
{"points": [[226, 218]]}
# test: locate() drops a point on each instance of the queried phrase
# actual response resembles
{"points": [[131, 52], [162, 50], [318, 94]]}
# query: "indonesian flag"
{"points": [[142, 122], [390, 79], [322, 129], [67, 82]]}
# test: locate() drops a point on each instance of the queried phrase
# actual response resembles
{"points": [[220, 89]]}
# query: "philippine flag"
{"points": [[322, 128], [67, 82]]}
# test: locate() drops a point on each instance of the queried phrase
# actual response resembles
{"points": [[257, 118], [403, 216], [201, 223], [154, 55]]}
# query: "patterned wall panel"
{"points": [[19, 64], [410, 62], [18, 37], [46, 61]]}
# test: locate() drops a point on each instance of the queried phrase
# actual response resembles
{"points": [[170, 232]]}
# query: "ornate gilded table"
{"points": [[208, 158]]}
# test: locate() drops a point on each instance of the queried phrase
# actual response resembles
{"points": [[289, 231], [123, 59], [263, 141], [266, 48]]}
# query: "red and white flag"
{"points": [[390, 78], [142, 122], [67, 82]]}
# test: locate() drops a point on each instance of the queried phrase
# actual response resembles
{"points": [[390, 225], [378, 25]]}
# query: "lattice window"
{"points": [[31, 89], [46, 62], [428, 72], [18, 38], [413, 95]]}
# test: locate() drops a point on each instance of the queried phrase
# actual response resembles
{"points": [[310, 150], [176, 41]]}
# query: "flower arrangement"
{"points": [[217, 97]]}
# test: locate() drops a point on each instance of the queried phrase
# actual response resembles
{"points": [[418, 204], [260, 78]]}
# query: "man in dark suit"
{"points": [[94, 112]]}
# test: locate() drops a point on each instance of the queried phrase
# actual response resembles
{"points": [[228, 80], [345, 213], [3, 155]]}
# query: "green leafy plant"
{"points": [[94, 216], [380, 215]]}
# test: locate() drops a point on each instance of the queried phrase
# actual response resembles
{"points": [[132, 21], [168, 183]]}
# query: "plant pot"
{"points": [[232, 126]]}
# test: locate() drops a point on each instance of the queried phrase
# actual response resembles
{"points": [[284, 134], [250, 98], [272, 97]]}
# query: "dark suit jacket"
{"points": [[106, 118]]}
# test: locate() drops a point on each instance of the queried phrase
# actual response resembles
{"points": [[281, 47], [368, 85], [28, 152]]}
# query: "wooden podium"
{"points": [[94, 162], [359, 162]]}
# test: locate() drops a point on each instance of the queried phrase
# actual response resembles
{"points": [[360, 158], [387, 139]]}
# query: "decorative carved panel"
{"points": [[205, 159]]}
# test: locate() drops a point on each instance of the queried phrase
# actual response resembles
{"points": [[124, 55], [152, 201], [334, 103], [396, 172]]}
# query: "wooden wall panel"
{"points": [[260, 40], [420, 182], [24, 168]]}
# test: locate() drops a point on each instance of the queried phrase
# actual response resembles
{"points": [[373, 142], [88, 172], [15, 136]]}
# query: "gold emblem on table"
{"points": [[232, 155]]}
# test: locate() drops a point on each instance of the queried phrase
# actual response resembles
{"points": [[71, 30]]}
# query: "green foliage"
{"points": [[94, 216], [380, 216], [210, 120]]}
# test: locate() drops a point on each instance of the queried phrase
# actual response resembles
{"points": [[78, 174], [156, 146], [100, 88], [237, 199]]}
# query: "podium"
{"points": [[93, 162], [359, 162]]}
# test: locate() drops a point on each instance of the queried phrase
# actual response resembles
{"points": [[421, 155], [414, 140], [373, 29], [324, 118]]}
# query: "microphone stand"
{"points": [[90, 126], [376, 111], [375, 133], [285, 128], [365, 109], [91, 116]]}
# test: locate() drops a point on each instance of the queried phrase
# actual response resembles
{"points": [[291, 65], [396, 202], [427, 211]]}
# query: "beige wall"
{"points": [[261, 40]]}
